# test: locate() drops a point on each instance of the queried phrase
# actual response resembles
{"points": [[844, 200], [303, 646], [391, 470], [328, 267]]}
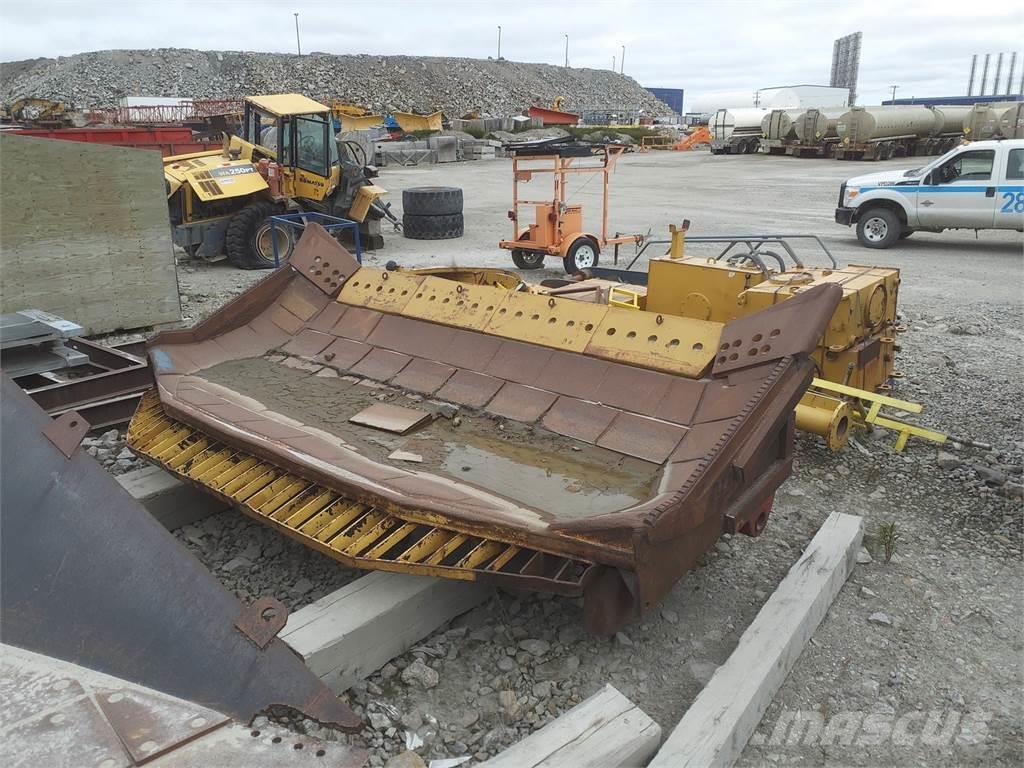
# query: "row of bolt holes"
{"points": [[296, 745], [551, 320], [753, 351]]}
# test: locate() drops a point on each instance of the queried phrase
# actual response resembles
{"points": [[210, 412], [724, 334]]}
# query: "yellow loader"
{"points": [[286, 160]]}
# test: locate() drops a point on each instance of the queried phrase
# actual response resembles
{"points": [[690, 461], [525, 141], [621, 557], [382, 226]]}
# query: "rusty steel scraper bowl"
{"points": [[595, 450]]}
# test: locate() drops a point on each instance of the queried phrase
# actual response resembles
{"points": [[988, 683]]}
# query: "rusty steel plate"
{"points": [[150, 725], [572, 417], [391, 418], [122, 595]]}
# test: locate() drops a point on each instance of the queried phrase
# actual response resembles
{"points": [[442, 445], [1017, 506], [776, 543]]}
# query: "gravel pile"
{"points": [[385, 83]]}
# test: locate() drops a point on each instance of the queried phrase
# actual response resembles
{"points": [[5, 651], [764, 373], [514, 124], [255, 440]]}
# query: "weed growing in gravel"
{"points": [[888, 536]]}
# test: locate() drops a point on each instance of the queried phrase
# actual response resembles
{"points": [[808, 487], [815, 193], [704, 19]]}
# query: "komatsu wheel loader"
{"points": [[286, 160]]}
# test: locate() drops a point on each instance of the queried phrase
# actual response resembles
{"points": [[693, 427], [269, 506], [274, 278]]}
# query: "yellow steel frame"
{"points": [[874, 418], [356, 534]]}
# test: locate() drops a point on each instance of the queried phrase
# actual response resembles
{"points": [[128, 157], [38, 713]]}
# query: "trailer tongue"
{"points": [[466, 429]]}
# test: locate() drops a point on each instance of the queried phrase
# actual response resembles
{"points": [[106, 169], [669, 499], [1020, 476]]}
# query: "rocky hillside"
{"points": [[387, 83]]}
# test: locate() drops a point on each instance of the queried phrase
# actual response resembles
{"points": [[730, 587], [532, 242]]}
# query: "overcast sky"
{"points": [[705, 47]]}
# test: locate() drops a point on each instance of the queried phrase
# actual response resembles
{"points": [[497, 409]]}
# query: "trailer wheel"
{"points": [[248, 240], [582, 254], [878, 228], [527, 259], [752, 145]]}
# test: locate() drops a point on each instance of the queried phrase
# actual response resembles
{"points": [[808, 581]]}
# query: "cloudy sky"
{"points": [[705, 47]]}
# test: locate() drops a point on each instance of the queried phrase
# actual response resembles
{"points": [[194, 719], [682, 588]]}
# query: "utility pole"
{"points": [[566, 50], [894, 87], [499, 42], [622, 61], [298, 44]]}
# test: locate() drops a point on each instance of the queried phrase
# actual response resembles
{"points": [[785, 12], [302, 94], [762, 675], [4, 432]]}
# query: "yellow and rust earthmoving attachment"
{"points": [[90, 577], [599, 450]]}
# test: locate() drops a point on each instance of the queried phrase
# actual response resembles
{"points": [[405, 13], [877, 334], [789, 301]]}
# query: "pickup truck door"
{"points": [[960, 193], [1010, 193]]}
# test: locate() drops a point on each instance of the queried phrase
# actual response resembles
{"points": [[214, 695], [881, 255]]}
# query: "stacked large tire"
{"points": [[432, 213]]}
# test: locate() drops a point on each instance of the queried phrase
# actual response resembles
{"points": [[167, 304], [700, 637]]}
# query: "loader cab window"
{"points": [[263, 129], [312, 144], [967, 166]]}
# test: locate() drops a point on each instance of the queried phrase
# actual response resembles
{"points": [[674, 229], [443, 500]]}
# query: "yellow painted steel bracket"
{"points": [[874, 418]]}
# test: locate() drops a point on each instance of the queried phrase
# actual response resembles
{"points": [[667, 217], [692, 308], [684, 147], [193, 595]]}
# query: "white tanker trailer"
{"points": [[1003, 120], [879, 133], [736, 131]]}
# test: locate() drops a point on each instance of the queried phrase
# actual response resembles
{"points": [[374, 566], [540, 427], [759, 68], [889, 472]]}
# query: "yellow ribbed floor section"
{"points": [[356, 534]]}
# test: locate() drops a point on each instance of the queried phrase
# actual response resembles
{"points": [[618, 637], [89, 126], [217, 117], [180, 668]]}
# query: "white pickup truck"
{"points": [[974, 186]]}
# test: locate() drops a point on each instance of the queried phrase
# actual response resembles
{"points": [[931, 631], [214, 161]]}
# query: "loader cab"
{"points": [[298, 133]]}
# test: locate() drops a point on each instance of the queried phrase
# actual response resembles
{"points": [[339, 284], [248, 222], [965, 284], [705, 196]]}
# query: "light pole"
{"points": [[622, 61], [894, 87], [499, 42], [566, 50], [298, 44]]}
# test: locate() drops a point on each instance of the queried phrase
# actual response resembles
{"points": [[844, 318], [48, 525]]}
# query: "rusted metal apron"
{"points": [[601, 451]]}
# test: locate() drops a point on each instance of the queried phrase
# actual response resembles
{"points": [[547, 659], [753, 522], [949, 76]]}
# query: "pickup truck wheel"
{"points": [[878, 228]]}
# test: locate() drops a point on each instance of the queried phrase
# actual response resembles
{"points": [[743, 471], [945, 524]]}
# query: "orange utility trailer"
{"points": [[558, 226]]}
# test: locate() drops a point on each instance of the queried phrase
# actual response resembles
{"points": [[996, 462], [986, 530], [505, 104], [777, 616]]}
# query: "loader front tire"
{"points": [[248, 241]]}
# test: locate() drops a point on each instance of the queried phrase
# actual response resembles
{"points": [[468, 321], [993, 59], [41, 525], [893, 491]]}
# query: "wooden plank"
{"points": [[717, 726], [172, 502], [354, 631], [606, 730], [84, 234]]}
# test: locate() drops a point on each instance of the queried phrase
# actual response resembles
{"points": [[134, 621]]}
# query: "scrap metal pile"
{"points": [[597, 451]]}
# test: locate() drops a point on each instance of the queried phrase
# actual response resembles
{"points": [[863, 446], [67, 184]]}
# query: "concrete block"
{"points": [[354, 631], [84, 234], [172, 502], [717, 726], [606, 730], [446, 148]]}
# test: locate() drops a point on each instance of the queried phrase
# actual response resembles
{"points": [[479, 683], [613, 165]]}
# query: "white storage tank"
{"points": [[804, 96], [861, 125], [743, 120]]}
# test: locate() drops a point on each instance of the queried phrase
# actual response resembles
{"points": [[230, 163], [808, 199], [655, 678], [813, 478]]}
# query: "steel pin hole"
{"points": [[268, 614]]}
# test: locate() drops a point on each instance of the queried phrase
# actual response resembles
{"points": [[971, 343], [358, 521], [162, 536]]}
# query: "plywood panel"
{"points": [[84, 234]]}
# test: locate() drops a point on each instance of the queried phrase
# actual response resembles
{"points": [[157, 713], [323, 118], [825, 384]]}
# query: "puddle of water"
{"points": [[562, 488]]}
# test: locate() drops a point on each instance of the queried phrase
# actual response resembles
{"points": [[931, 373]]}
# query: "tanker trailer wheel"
{"points": [[878, 228], [248, 241], [582, 254], [527, 259], [752, 146]]}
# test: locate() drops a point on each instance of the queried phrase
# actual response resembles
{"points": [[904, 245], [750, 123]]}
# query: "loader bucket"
{"points": [[91, 578], [596, 451]]}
